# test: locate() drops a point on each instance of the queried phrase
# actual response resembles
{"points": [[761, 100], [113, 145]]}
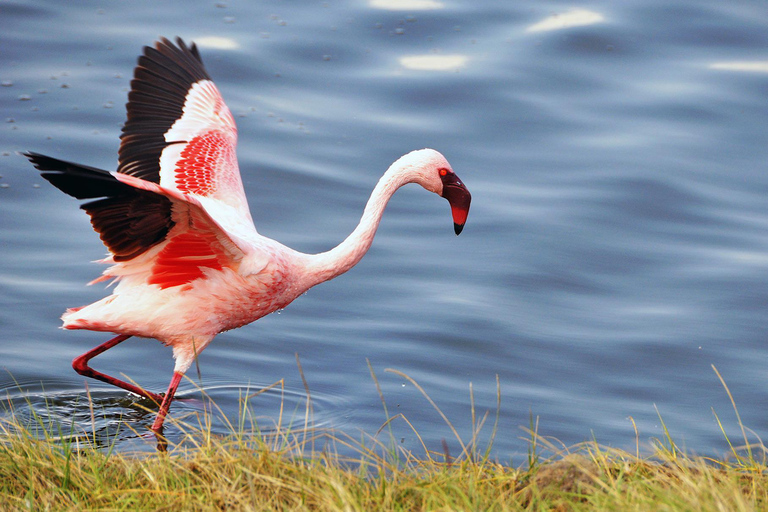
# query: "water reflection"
{"points": [[574, 18], [433, 62], [756, 66], [218, 43], [406, 5]]}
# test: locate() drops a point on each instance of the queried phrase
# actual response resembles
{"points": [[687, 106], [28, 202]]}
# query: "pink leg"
{"points": [[80, 364], [157, 426]]}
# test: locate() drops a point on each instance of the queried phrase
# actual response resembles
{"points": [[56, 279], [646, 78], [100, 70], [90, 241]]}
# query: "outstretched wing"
{"points": [[179, 133], [167, 237], [130, 221], [176, 205]]}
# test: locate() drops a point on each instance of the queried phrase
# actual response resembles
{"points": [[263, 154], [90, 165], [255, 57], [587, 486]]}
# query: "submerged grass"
{"points": [[296, 467]]}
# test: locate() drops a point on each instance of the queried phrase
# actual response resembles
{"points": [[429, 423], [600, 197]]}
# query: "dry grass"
{"points": [[300, 468]]}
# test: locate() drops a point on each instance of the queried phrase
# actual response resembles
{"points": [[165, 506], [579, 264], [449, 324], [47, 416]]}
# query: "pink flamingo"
{"points": [[186, 256]]}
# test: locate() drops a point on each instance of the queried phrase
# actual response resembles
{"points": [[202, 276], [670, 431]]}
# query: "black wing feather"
{"points": [[160, 84], [128, 220]]}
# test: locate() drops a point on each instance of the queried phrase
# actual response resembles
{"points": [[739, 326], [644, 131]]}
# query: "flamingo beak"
{"points": [[458, 196]]}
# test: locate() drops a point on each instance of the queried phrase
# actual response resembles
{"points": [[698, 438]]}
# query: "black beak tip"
{"points": [[457, 228]]}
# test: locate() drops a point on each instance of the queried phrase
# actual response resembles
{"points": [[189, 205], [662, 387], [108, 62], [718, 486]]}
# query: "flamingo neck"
{"points": [[327, 265]]}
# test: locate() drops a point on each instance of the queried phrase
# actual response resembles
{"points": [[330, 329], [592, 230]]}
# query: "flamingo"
{"points": [[174, 217]]}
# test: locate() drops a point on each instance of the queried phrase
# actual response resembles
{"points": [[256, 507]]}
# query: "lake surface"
{"points": [[616, 249]]}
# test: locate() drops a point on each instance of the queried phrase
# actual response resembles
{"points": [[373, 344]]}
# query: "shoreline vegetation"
{"points": [[294, 466]]}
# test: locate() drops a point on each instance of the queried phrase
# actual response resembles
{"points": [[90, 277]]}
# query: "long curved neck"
{"points": [[327, 265]]}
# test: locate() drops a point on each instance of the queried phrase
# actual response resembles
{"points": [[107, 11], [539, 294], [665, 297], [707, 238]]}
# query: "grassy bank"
{"points": [[302, 469], [235, 473]]}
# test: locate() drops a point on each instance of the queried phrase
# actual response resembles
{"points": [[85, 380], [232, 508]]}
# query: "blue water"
{"points": [[616, 249]]}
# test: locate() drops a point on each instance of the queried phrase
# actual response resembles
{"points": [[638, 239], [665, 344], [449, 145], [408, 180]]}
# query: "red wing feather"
{"points": [[180, 133], [185, 257], [199, 159]]}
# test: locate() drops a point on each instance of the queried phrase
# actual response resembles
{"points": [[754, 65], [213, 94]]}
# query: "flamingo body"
{"points": [[188, 260]]}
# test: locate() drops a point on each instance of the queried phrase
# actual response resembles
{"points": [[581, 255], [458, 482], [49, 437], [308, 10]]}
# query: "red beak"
{"points": [[458, 196]]}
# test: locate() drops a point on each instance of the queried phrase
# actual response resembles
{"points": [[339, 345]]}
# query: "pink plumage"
{"points": [[188, 260]]}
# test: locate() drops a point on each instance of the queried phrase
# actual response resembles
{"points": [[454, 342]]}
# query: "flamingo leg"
{"points": [[157, 426], [80, 364]]}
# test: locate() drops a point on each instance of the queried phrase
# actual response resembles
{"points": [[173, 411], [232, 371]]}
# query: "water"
{"points": [[617, 245]]}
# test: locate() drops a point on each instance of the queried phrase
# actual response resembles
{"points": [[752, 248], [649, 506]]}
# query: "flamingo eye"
{"points": [[443, 172]]}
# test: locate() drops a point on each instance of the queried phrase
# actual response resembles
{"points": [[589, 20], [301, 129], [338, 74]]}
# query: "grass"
{"points": [[296, 467]]}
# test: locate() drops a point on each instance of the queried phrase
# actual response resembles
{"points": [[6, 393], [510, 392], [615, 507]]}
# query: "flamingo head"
{"points": [[457, 195], [432, 171]]}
